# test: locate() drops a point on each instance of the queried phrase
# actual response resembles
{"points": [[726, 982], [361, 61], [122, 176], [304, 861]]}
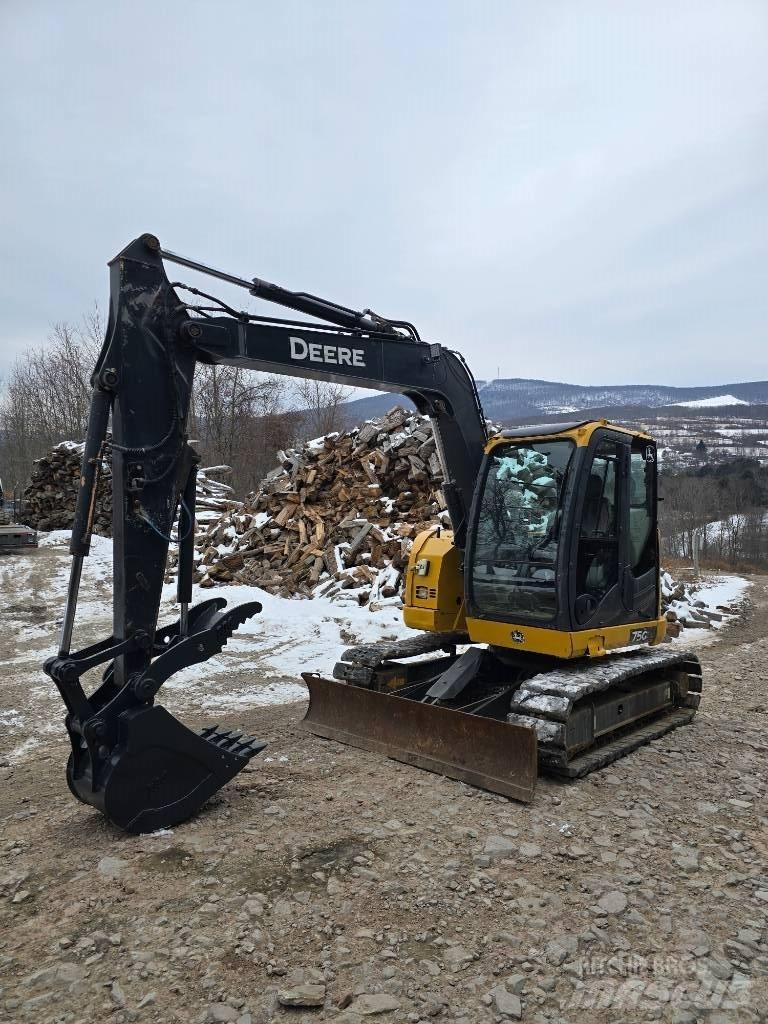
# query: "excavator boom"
{"points": [[130, 757]]}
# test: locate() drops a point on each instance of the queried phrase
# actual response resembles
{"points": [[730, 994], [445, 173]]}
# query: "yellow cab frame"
{"points": [[439, 591]]}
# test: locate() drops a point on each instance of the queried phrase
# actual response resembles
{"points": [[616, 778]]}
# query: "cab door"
{"points": [[614, 576], [641, 573], [596, 591]]}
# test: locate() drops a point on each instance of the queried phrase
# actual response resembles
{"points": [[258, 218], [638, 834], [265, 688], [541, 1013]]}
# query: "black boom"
{"points": [[130, 757]]}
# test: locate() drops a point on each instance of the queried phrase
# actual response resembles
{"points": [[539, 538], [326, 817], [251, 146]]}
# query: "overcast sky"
{"points": [[566, 190]]}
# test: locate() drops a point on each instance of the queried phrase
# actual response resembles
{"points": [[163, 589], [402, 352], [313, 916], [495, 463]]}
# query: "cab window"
{"points": [[514, 558]]}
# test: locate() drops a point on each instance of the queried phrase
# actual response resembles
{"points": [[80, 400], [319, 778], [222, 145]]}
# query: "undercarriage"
{"points": [[581, 715]]}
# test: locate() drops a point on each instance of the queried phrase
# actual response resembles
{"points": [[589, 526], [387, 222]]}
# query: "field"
{"points": [[328, 876]]}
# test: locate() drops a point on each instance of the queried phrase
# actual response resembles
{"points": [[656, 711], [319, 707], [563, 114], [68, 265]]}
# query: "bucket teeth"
{"points": [[233, 742]]}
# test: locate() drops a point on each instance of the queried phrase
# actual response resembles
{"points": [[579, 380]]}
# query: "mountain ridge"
{"points": [[515, 398]]}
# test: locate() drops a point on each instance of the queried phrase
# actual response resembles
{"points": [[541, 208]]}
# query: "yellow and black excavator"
{"points": [[537, 616]]}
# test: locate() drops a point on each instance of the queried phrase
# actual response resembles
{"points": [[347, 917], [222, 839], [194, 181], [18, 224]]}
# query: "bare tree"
{"points": [[320, 405], [47, 395], [238, 417]]}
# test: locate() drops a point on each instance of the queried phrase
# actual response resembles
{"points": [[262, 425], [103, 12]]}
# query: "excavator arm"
{"points": [[130, 757]]}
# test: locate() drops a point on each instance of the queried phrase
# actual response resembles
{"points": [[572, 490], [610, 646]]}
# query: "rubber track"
{"points": [[372, 655], [604, 755], [545, 702]]}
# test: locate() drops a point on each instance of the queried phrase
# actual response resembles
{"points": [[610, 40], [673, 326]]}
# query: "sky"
{"points": [[559, 190]]}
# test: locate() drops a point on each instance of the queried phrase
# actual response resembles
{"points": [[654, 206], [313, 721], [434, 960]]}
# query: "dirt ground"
{"points": [[331, 876]]}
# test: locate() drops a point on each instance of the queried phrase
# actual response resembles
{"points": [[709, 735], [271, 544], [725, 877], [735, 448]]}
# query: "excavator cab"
{"points": [[562, 551]]}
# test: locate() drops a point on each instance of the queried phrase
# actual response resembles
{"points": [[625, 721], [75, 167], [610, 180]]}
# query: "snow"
{"points": [[263, 661], [739, 431], [294, 636], [723, 590], [286, 638], [259, 696], [712, 403], [54, 539]]}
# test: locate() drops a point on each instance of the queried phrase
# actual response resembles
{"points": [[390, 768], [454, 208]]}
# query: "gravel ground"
{"points": [[328, 883]]}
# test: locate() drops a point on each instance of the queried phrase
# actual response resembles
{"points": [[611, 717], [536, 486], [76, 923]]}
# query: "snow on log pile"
{"points": [[336, 518], [684, 608], [49, 500]]}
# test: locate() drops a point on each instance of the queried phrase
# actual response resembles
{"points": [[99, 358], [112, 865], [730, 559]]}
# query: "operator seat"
{"points": [[596, 512], [597, 554]]}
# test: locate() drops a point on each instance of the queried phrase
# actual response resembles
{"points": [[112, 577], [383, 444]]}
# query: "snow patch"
{"points": [[712, 403], [258, 696]]}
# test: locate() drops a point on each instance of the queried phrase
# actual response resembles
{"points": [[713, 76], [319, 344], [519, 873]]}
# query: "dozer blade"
{"points": [[160, 772], [482, 752]]}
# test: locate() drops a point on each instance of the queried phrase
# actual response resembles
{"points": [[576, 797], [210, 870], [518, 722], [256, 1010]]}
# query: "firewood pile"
{"points": [[49, 499], [336, 518], [684, 610]]}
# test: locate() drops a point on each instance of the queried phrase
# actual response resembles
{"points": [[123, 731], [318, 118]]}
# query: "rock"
{"points": [[456, 955], [334, 886], [697, 942], [613, 902], [253, 908], [432, 969], [117, 994], [379, 1002], [559, 949], [506, 1003], [683, 1017], [516, 983], [529, 850], [687, 857], [575, 850], [499, 847], [721, 969], [220, 1013], [111, 867], [66, 973], [21, 895], [302, 995]]}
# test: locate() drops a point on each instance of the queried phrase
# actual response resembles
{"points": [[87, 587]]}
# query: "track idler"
{"points": [[130, 757]]}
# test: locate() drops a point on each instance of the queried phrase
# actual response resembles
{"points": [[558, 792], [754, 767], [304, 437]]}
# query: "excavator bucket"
{"points": [[131, 758], [160, 772], [482, 752]]}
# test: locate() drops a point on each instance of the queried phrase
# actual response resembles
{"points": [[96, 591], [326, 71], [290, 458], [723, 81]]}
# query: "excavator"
{"points": [[538, 632]]}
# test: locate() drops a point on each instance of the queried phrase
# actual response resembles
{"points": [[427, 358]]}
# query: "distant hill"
{"points": [[515, 398]]}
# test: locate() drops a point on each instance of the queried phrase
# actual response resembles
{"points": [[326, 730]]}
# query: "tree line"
{"points": [[238, 417], [719, 511]]}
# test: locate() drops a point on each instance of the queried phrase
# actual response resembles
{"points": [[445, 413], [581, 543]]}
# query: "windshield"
{"points": [[515, 551]]}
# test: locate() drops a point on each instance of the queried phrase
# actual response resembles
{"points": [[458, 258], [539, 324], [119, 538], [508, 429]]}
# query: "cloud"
{"points": [[559, 191]]}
